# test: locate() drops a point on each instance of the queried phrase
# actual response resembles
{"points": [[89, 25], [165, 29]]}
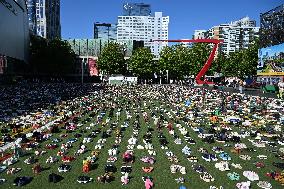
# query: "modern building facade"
{"points": [[270, 67], [199, 34], [272, 27], [105, 31], [93, 47], [44, 18], [14, 32], [236, 35], [136, 9], [88, 51], [144, 28]]}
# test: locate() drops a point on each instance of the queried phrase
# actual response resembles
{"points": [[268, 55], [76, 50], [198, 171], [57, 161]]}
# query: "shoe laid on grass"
{"points": [[84, 179]]}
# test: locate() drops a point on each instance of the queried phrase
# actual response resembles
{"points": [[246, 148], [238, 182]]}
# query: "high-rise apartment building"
{"points": [[136, 9], [144, 28], [44, 18], [105, 31], [236, 35]]}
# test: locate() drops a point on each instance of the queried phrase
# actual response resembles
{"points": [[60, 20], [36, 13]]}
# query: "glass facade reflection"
{"points": [[105, 31], [272, 27], [136, 9], [31, 6], [44, 18], [93, 47]]}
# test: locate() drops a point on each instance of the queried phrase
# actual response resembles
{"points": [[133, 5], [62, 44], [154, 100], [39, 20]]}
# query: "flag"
{"points": [[93, 67]]}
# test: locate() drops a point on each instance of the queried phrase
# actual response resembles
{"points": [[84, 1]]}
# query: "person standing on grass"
{"points": [[241, 84]]}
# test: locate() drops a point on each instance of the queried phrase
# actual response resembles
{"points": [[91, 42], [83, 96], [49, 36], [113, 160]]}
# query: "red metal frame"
{"points": [[208, 63]]}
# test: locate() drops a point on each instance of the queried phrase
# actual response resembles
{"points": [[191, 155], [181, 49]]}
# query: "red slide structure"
{"points": [[208, 63]]}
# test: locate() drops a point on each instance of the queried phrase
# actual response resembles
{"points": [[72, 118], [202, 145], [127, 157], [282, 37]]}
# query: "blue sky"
{"points": [[78, 16]]}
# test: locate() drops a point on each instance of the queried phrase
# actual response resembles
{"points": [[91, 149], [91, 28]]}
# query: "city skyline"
{"points": [[184, 19], [236, 35]]}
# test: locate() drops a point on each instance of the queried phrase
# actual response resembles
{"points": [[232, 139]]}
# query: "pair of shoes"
{"points": [[147, 169]]}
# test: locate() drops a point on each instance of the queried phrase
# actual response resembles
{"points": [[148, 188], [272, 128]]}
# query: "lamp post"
{"points": [[160, 77], [167, 76], [85, 62], [82, 70]]}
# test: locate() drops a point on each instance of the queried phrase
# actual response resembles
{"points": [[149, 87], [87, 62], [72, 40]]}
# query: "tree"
{"points": [[62, 57], [248, 66], [111, 60], [176, 60], [238, 64], [166, 58], [38, 49], [184, 61], [141, 63], [199, 55], [218, 64], [51, 58]]}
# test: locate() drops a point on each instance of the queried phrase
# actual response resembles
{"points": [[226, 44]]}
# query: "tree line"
{"points": [[56, 58], [179, 61]]}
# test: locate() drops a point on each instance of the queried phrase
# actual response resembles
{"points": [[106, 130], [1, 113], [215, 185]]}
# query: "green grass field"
{"points": [[163, 178]]}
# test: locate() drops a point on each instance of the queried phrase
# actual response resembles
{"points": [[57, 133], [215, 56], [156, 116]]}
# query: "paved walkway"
{"points": [[248, 91]]}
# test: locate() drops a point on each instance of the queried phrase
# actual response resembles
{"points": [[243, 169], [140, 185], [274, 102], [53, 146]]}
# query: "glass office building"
{"points": [[272, 27], [53, 26], [93, 47], [136, 9], [31, 6], [44, 18], [105, 31]]}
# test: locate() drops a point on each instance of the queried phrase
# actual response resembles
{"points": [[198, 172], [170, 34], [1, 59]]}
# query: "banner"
{"points": [[93, 67], [271, 61]]}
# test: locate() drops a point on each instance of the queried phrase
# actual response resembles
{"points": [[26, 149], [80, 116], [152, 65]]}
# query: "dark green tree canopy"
{"points": [[141, 63], [111, 60], [238, 64], [54, 58], [183, 61]]}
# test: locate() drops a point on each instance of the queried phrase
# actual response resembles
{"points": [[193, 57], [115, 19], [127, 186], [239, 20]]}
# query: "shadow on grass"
{"points": [[45, 169], [54, 178], [95, 166]]}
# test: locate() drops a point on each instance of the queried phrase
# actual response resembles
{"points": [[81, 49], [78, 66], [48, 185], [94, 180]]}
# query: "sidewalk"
{"points": [[247, 91]]}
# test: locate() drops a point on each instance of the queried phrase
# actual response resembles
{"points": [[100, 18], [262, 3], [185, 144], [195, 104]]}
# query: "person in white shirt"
{"points": [[281, 89]]}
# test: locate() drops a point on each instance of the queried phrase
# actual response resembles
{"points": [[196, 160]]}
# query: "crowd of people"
{"points": [[236, 133]]}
